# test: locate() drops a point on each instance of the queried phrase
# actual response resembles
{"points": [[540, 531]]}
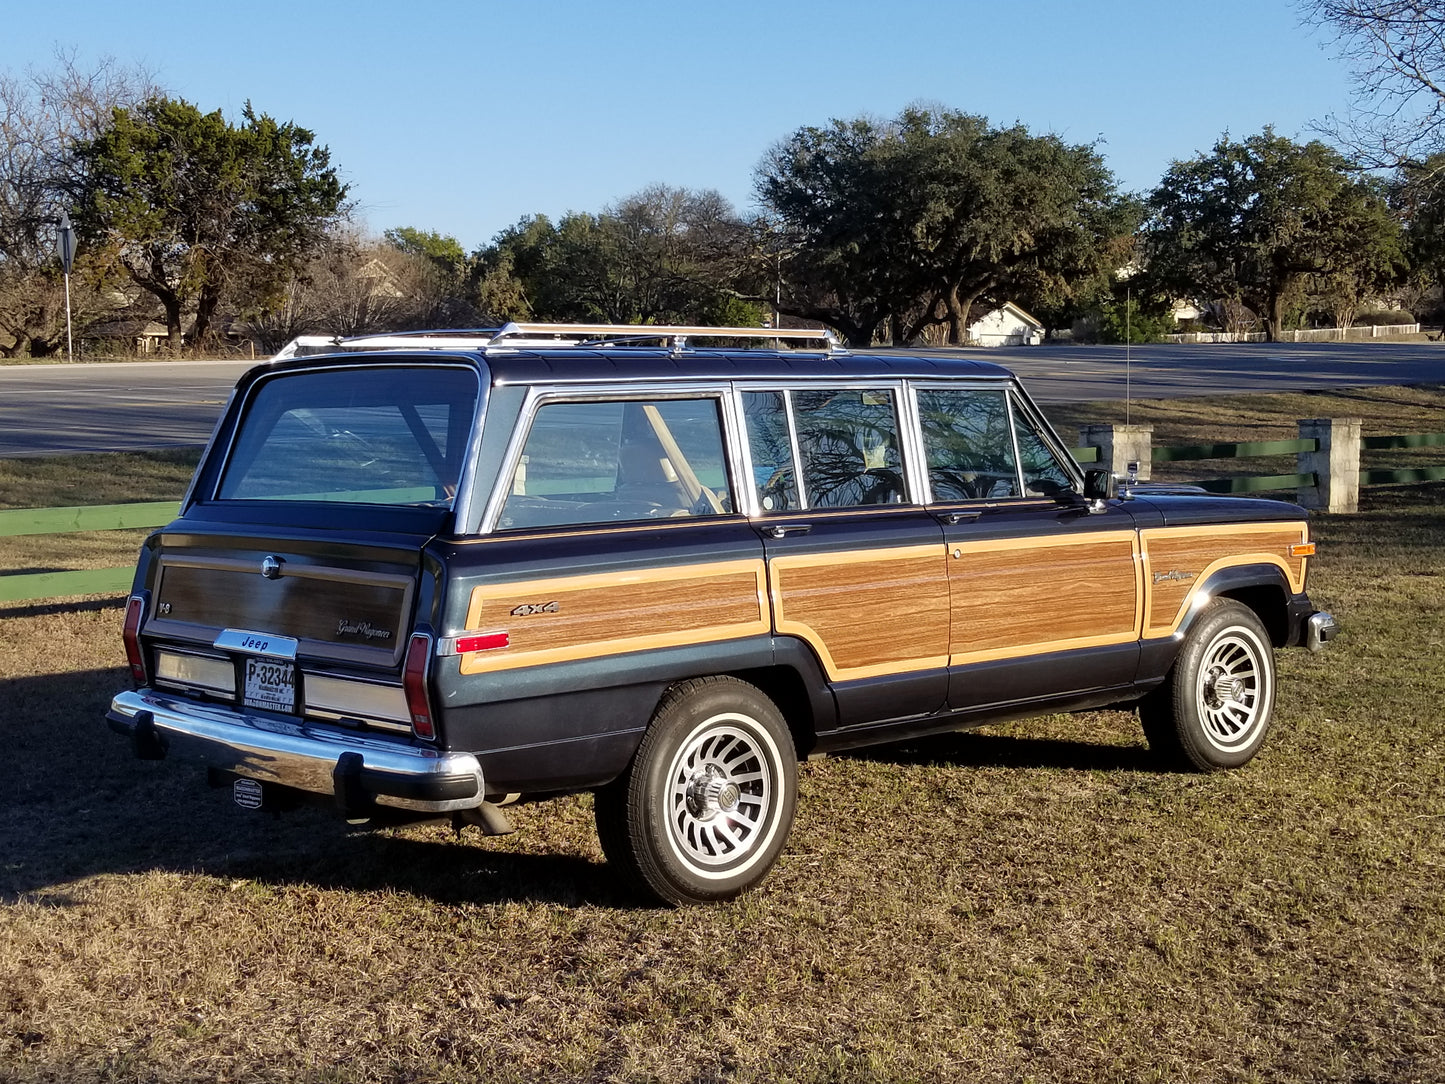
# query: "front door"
{"points": [[1045, 593]]}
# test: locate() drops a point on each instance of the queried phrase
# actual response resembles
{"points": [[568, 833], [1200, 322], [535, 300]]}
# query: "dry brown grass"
{"points": [[1032, 902]]}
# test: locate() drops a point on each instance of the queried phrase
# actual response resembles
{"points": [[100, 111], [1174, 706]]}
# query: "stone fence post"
{"points": [[1120, 445], [1336, 465]]}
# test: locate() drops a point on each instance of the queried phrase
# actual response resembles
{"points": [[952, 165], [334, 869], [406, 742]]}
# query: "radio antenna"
{"points": [[1128, 343]]}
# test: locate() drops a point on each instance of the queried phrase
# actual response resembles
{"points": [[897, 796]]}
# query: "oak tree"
{"points": [[196, 210], [1259, 220], [906, 223]]}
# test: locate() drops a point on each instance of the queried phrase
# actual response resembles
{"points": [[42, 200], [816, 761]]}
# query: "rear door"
{"points": [[855, 563]]}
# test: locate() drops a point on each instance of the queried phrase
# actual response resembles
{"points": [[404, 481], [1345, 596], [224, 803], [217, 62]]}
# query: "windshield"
{"points": [[394, 435]]}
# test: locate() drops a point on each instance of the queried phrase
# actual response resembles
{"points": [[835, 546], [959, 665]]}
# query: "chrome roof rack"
{"points": [[675, 337]]}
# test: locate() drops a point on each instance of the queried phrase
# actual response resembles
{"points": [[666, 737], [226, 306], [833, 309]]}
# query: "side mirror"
{"points": [[1099, 488]]}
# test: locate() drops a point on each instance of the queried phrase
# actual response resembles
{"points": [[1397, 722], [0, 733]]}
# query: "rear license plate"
{"points": [[270, 685]]}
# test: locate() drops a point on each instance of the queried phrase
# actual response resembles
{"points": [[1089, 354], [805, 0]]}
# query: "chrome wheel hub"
{"points": [[1233, 690], [720, 795]]}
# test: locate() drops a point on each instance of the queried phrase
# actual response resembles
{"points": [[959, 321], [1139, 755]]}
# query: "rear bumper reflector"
{"points": [[292, 754]]}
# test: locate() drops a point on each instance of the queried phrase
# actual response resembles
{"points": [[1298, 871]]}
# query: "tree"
{"points": [[662, 255], [907, 223], [357, 285], [196, 210], [1397, 48], [42, 113], [443, 250], [1256, 221]]}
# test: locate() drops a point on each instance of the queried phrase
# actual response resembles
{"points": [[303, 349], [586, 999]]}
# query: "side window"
{"points": [[1044, 475], [771, 447], [608, 460], [969, 448], [848, 446]]}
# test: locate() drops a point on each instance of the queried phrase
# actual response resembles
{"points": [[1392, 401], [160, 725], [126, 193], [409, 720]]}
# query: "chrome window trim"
{"points": [[740, 452], [799, 482], [897, 387], [540, 395]]}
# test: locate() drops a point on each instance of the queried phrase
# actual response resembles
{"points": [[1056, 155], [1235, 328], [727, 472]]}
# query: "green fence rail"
{"points": [[108, 517], [33, 586], [1234, 451], [1408, 440]]}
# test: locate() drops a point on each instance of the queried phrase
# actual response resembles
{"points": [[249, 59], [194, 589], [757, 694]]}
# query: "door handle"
{"points": [[782, 530], [952, 518]]}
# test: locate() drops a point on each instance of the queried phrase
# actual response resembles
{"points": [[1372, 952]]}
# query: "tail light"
{"points": [[414, 684], [134, 612]]}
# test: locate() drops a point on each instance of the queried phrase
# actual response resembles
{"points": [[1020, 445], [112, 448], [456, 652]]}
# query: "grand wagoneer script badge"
{"points": [[1173, 575], [361, 628]]}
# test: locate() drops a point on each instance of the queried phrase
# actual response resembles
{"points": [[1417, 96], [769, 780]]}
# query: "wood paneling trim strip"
{"points": [[609, 613], [1203, 551]]}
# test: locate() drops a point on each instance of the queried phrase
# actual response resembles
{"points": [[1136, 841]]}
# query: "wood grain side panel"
{"points": [[1029, 596], [581, 617], [1177, 560], [868, 613]]}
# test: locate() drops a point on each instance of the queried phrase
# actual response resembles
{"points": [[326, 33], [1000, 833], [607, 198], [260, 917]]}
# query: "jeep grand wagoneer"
{"points": [[440, 577]]}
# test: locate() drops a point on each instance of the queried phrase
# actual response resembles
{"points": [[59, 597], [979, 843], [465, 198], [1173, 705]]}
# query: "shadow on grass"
{"points": [[74, 802], [967, 750]]}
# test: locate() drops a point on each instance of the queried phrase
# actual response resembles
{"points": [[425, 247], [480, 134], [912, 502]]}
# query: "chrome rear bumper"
{"points": [[356, 769]]}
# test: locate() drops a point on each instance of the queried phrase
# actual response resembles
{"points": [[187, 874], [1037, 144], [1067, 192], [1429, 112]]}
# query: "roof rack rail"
{"points": [[454, 338], [675, 337]]}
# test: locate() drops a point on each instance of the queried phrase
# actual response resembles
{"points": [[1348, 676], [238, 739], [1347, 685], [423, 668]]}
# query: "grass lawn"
{"points": [[1028, 902]]}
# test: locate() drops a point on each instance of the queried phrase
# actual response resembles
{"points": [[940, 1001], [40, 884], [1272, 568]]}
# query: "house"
{"points": [[1007, 325]]}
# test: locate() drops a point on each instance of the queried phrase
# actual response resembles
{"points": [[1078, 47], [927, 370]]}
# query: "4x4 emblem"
{"points": [[271, 567]]}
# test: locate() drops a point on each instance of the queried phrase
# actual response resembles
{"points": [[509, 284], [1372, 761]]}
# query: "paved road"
{"points": [[63, 409], [60, 409]]}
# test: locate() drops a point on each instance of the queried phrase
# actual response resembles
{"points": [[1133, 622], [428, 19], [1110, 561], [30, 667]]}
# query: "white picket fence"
{"points": [[1311, 335]]}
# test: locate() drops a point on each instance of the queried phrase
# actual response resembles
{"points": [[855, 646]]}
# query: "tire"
{"points": [[704, 809], [1215, 707]]}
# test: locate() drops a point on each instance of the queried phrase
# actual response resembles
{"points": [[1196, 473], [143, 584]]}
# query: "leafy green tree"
{"points": [[906, 223], [196, 210], [443, 250], [663, 255], [1258, 221], [1420, 203]]}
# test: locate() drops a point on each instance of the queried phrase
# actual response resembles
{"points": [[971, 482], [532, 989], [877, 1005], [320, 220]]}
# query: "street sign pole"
{"points": [[65, 243]]}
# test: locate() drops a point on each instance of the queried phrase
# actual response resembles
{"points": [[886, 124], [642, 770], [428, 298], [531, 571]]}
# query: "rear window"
{"points": [[371, 436]]}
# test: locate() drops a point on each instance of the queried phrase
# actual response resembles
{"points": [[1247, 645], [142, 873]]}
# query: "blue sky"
{"points": [[463, 117]]}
